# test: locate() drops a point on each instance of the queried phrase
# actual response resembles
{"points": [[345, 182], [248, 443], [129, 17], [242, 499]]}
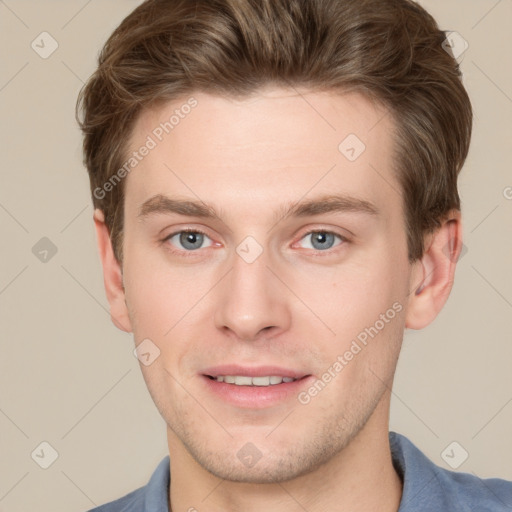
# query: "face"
{"points": [[257, 248]]}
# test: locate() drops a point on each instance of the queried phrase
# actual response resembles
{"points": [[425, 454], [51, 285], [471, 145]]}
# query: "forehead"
{"points": [[275, 144]]}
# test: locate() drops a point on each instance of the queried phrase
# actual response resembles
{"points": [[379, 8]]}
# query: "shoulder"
{"points": [[430, 487], [151, 497], [132, 502]]}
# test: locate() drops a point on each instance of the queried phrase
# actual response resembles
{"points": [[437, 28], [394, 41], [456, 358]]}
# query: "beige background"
{"points": [[69, 378]]}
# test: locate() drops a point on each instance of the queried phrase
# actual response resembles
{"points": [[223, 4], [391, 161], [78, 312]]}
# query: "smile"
{"points": [[244, 380]]}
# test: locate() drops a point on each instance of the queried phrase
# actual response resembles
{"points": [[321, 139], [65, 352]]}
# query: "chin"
{"points": [[264, 462]]}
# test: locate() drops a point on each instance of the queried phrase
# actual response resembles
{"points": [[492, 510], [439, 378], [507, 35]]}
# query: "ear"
{"points": [[112, 275], [432, 276]]}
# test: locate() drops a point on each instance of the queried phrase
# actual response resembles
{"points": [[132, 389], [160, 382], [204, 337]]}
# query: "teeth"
{"points": [[243, 380], [260, 381]]}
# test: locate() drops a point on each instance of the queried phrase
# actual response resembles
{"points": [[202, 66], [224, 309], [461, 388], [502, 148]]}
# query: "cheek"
{"points": [[363, 363], [350, 297], [166, 305], [363, 304], [157, 293], [150, 305]]}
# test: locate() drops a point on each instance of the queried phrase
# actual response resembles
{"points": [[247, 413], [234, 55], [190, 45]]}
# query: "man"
{"points": [[275, 192]]}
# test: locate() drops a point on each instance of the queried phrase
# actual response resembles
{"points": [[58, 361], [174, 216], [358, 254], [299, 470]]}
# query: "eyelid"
{"points": [[344, 239], [183, 252], [185, 229]]}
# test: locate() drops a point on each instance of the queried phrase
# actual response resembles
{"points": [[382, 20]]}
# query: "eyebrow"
{"points": [[325, 204]]}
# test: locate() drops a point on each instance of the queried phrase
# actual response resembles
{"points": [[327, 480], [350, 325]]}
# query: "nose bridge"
{"points": [[251, 300]]}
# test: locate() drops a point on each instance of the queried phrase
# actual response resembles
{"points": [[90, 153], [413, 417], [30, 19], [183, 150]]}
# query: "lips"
{"points": [[247, 375], [245, 380], [254, 387]]}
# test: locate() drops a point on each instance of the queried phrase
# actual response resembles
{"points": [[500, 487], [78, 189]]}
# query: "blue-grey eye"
{"points": [[189, 240], [321, 240]]}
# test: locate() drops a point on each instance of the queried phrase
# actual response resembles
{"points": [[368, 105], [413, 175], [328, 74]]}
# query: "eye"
{"points": [[321, 240], [189, 240]]}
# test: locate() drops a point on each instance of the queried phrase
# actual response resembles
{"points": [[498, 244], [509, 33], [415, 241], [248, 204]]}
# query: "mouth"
{"points": [[254, 387], [246, 380]]}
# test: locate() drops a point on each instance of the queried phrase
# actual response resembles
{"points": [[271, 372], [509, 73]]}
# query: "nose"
{"points": [[252, 302]]}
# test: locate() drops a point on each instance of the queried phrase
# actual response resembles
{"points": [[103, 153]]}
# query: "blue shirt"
{"points": [[427, 487]]}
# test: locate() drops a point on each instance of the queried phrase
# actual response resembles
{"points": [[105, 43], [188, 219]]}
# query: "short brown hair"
{"points": [[389, 50]]}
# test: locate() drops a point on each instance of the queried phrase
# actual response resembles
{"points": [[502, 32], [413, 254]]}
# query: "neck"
{"points": [[360, 478]]}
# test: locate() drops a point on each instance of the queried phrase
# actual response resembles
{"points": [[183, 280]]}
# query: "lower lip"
{"points": [[256, 397]]}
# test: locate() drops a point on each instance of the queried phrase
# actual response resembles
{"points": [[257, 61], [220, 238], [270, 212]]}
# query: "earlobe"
{"points": [[112, 275], [432, 277]]}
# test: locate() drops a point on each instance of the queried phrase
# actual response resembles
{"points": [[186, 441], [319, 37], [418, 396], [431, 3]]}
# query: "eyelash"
{"points": [[186, 254], [189, 254]]}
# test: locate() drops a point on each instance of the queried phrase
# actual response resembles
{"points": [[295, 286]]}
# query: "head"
{"points": [[312, 148]]}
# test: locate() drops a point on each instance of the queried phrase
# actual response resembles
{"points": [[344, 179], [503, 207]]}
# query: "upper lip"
{"points": [[253, 371]]}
